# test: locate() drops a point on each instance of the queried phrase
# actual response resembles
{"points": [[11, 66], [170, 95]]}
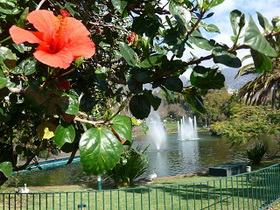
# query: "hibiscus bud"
{"points": [[64, 13], [131, 38], [67, 119], [99, 30], [63, 85]]}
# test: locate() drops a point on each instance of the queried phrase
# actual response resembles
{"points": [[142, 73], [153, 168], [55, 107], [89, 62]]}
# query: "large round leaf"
{"points": [[64, 133], [122, 125], [6, 168], [140, 106], [100, 150]]}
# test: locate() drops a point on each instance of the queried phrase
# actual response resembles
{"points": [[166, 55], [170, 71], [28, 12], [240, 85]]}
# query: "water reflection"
{"points": [[175, 158], [181, 157]]}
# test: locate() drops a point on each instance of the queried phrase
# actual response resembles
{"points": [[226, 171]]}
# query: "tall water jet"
{"points": [[156, 133], [187, 129]]}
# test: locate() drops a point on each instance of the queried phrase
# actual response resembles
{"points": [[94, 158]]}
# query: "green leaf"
{"points": [[202, 42], [180, 13], [7, 57], [173, 83], [26, 67], [226, 58], [6, 168], [195, 102], [234, 20], [261, 61], [122, 125], [140, 106], [254, 39], [215, 3], [210, 27], [9, 7], [22, 48], [119, 5], [100, 150], [154, 60], [264, 22], [153, 99], [128, 54], [64, 133], [3, 80], [73, 105], [4, 117], [206, 78]]}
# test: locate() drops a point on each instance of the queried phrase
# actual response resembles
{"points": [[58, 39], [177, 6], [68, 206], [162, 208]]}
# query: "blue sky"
{"points": [[269, 8]]}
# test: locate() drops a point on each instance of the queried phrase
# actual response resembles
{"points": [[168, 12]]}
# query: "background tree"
{"points": [[47, 105]]}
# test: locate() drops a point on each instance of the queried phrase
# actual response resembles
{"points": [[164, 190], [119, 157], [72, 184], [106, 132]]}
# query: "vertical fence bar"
{"points": [[257, 190]]}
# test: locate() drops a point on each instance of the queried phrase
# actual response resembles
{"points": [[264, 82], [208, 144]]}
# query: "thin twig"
{"points": [[95, 124], [40, 4]]}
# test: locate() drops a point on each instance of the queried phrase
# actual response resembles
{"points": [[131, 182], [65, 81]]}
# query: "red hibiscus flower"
{"points": [[131, 38], [61, 39]]}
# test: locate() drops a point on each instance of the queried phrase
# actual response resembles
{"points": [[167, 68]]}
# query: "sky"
{"points": [[268, 8]]}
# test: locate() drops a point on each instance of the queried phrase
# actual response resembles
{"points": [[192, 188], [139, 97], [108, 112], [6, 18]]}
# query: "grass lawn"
{"points": [[189, 192]]}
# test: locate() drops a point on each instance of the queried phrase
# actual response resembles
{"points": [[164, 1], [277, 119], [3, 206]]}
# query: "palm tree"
{"points": [[265, 88]]}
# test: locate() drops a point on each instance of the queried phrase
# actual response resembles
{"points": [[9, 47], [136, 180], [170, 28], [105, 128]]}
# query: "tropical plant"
{"points": [[256, 153], [68, 68], [133, 163], [265, 88]]}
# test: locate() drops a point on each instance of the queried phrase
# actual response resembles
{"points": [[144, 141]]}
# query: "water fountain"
{"points": [[187, 129], [156, 133]]}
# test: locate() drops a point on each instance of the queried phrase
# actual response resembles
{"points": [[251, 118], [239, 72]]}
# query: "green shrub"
{"points": [[133, 164], [256, 153]]}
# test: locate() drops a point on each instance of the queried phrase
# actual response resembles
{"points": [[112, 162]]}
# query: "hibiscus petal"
{"points": [[44, 21], [75, 28], [61, 59], [81, 46], [20, 35]]}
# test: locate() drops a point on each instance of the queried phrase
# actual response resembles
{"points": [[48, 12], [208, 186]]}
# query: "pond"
{"points": [[174, 158]]}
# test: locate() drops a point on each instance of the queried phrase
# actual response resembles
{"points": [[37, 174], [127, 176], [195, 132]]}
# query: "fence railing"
{"points": [[254, 190]]}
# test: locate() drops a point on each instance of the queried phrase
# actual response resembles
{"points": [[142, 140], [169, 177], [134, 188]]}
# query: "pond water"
{"points": [[174, 158]]}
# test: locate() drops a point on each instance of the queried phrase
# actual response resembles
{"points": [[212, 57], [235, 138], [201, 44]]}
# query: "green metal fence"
{"points": [[255, 190]]}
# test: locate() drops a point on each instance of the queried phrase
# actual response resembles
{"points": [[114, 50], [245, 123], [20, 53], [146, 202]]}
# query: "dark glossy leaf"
{"points": [[3, 80], [100, 150], [146, 25], [210, 27], [264, 22], [9, 7], [26, 67], [73, 105], [195, 102], [202, 42], [234, 20], [135, 86], [140, 106], [6, 168], [142, 76], [212, 79], [64, 133], [261, 61], [173, 83], [4, 117], [154, 100], [7, 57], [122, 125], [227, 59], [254, 39], [22, 48], [128, 54], [180, 13], [119, 5], [154, 60]]}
